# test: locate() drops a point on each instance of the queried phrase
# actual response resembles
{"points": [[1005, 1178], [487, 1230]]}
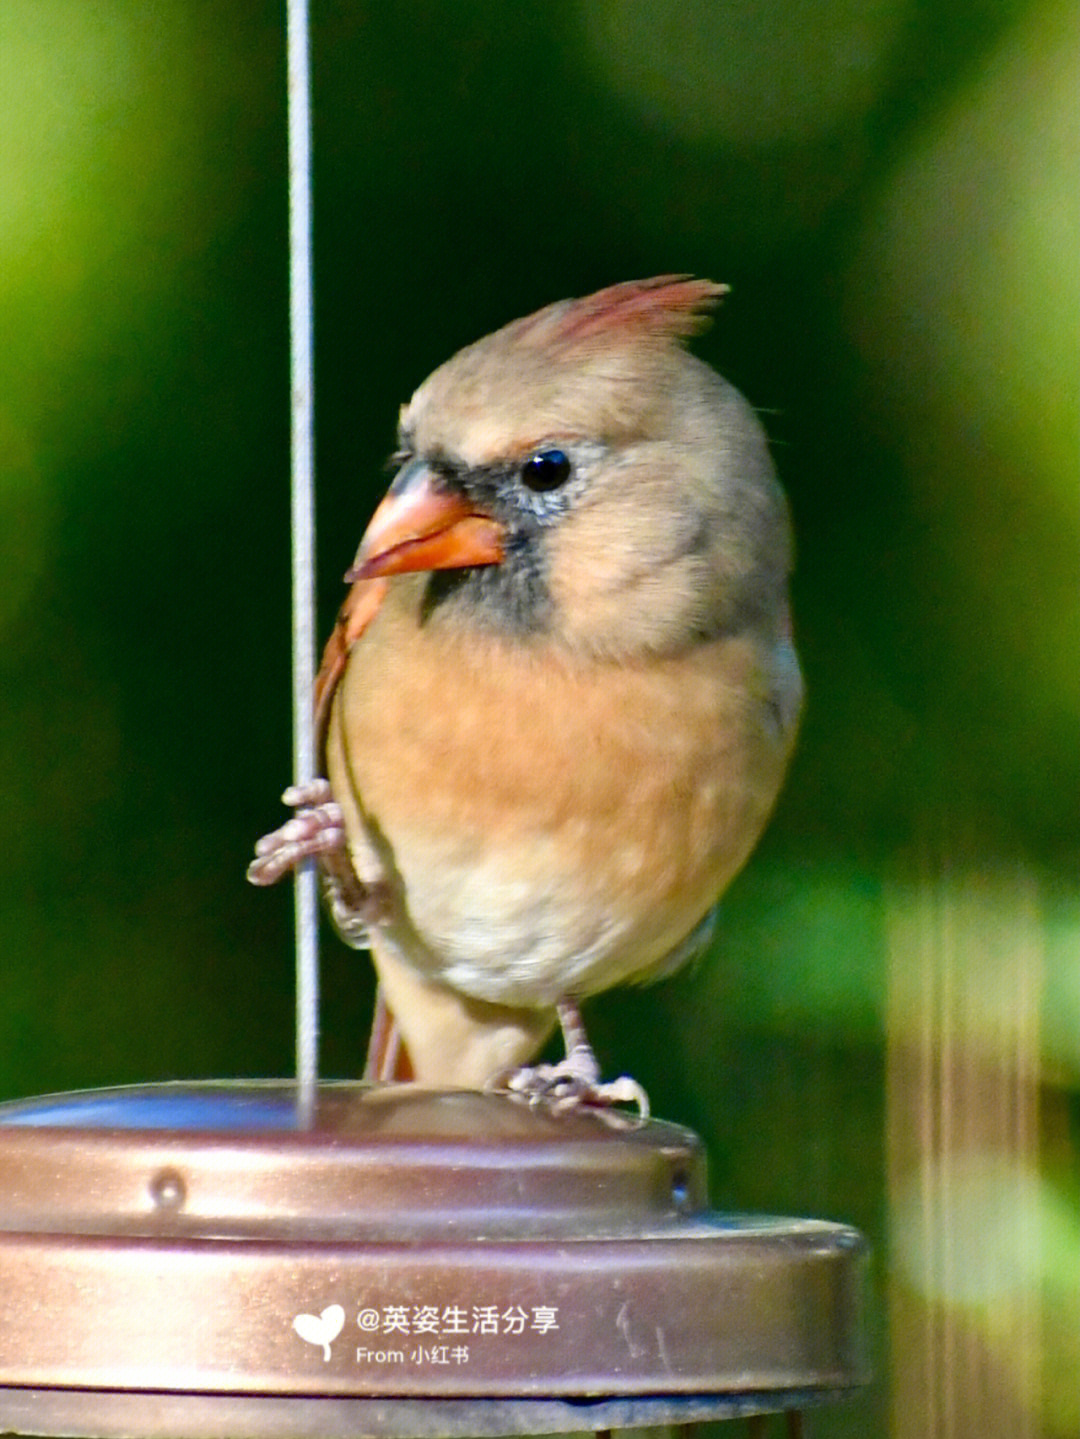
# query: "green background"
{"points": [[888, 187]]}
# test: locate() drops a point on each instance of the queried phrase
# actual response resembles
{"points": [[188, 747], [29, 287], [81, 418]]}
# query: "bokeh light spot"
{"points": [[751, 72]]}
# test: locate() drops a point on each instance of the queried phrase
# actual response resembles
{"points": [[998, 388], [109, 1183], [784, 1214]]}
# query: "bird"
{"points": [[562, 694]]}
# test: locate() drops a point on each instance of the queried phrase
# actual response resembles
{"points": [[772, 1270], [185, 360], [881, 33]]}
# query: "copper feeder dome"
{"points": [[189, 1260]]}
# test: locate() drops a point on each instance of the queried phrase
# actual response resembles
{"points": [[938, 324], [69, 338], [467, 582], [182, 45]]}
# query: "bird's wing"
{"points": [[387, 1058], [362, 604]]}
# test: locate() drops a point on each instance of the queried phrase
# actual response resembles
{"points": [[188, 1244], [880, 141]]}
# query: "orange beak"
{"points": [[422, 525]]}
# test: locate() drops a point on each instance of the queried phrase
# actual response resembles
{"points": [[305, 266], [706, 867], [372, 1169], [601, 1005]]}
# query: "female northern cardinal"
{"points": [[553, 737]]}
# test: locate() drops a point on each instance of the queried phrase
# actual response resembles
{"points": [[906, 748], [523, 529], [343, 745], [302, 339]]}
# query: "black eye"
{"points": [[547, 470]]}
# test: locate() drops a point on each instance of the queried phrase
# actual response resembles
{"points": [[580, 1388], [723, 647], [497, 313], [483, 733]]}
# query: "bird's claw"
{"points": [[316, 830], [571, 1084]]}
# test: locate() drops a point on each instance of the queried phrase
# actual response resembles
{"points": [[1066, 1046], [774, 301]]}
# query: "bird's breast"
{"points": [[552, 825]]}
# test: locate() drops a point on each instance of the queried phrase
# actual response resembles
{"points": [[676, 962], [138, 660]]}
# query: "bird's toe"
{"points": [[568, 1086]]}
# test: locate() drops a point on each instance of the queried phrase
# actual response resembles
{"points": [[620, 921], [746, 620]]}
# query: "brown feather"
{"points": [[664, 308], [361, 606]]}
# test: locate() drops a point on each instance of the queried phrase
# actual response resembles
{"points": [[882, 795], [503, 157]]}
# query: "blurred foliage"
{"points": [[890, 190]]}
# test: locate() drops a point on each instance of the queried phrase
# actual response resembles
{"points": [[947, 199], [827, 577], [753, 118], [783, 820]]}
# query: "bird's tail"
{"points": [[387, 1058]]}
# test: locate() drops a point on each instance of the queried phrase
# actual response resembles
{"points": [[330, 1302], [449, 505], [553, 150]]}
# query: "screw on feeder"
{"points": [[167, 1189]]}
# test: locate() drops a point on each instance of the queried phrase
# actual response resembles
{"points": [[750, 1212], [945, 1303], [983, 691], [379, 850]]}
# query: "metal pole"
{"points": [[303, 533]]}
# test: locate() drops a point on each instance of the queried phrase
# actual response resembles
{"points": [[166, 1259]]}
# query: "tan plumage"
{"points": [[563, 694]]}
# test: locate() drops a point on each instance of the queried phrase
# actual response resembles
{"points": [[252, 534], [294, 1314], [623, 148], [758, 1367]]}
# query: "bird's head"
{"points": [[578, 475]]}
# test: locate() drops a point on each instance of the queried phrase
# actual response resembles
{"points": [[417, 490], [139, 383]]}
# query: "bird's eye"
{"points": [[546, 470]]}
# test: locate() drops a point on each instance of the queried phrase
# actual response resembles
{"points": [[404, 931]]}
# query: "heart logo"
{"points": [[321, 1329]]}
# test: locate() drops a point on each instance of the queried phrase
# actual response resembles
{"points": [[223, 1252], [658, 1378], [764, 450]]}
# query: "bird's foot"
{"points": [[573, 1083], [316, 831]]}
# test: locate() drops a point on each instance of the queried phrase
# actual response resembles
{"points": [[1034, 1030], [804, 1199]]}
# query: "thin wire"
{"points": [[301, 330]]}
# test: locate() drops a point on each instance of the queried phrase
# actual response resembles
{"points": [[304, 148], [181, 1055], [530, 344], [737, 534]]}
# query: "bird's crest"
{"points": [[665, 308]]}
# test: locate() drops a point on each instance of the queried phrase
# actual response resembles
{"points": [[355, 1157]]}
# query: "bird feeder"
{"points": [[258, 1260], [196, 1260]]}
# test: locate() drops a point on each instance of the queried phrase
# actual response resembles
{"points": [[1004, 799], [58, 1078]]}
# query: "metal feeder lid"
{"points": [[190, 1260]]}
